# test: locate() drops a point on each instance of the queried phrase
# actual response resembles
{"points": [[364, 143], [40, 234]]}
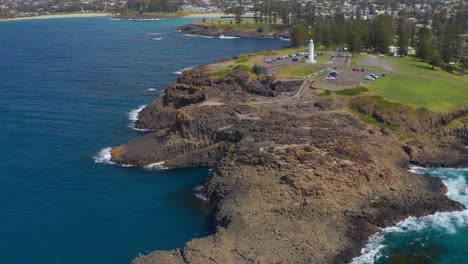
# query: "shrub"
{"points": [[325, 93], [352, 92], [260, 30]]}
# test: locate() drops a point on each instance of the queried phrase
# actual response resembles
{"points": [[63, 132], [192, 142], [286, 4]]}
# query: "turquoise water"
{"points": [[67, 86], [440, 238]]}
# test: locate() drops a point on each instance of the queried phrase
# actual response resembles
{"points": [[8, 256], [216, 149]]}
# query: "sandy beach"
{"points": [[58, 16], [207, 15]]}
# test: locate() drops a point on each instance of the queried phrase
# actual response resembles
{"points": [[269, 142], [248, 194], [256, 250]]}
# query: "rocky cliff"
{"points": [[212, 31], [295, 180]]}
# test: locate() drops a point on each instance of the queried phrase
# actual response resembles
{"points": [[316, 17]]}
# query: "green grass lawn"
{"points": [[415, 66], [435, 95], [296, 71]]}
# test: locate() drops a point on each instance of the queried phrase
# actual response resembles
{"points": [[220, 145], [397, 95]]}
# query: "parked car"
{"points": [[330, 78], [381, 55], [375, 75], [369, 78], [295, 59]]}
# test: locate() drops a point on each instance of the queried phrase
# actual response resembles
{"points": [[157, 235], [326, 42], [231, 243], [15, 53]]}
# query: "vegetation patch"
{"points": [[325, 93], [224, 72], [242, 59], [435, 95], [377, 111], [352, 92]]}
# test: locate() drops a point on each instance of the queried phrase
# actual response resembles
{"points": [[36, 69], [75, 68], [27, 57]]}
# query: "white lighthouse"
{"points": [[311, 52]]}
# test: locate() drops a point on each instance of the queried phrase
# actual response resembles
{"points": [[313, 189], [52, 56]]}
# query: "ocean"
{"points": [[440, 238], [69, 88]]}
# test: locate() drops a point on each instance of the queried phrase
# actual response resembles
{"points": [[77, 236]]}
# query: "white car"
{"points": [[330, 78], [369, 78], [381, 55]]}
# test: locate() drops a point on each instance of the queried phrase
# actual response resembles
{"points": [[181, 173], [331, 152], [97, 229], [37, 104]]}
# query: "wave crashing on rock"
{"points": [[445, 222]]}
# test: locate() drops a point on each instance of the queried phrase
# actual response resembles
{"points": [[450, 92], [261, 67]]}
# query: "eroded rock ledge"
{"points": [[297, 180], [208, 31]]}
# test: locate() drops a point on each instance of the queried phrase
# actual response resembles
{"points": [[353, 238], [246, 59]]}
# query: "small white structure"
{"points": [[311, 52]]}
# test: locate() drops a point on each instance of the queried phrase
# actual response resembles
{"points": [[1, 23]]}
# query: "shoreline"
{"points": [[74, 15], [257, 155], [375, 245], [206, 15]]}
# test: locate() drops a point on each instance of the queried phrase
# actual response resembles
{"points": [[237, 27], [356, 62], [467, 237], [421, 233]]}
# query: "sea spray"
{"points": [[227, 37], [156, 166], [133, 117], [104, 156], [440, 223], [184, 69]]}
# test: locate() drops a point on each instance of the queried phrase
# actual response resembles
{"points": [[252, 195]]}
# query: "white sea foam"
{"points": [[181, 71], [447, 222], [157, 38], [133, 117], [202, 197], [198, 36], [284, 39], [104, 156], [227, 37], [156, 166], [151, 89], [153, 34]]}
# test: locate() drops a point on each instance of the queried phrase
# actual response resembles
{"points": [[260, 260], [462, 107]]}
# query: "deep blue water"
{"points": [[66, 86]]}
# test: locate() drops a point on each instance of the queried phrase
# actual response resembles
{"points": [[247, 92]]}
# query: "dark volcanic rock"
{"points": [[290, 186], [202, 30]]}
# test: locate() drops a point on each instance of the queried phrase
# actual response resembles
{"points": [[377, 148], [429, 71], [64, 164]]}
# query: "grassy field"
{"points": [[245, 25], [435, 95], [296, 71], [415, 66]]}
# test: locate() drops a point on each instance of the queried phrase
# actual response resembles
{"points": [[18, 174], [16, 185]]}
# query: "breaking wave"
{"points": [[104, 156], [445, 222], [199, 193], [151, 89], [153, 34], [156, 166], [227, 37], [157, 38], [184, 69], [199, 36], [133, 117]]}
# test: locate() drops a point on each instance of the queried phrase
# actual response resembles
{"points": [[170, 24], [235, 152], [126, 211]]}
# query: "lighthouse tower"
{"points": [[311, 52]]}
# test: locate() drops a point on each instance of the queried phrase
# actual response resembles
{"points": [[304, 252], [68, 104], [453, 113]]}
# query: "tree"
{"points": [[299, 33], [382, 32], [435, 60], [403, 37], [238, 12], [424, 44]]}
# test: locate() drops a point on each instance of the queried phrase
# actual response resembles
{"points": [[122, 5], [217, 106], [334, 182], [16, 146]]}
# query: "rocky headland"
{"points": [[297, 179], [213, 31]]}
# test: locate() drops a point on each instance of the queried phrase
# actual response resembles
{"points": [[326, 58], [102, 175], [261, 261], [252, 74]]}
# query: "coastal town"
{"points": [[321, 131], [366, 9]]}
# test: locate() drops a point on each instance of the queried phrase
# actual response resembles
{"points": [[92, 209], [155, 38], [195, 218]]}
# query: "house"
{"points": [[393, 50]]}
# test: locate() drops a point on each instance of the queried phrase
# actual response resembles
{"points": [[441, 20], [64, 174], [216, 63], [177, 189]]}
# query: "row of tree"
{"points": [[167, 6], [439, 45]]}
